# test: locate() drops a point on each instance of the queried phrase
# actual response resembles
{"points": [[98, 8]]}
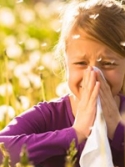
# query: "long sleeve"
{"points": [[40, 146], [45, 129], [117, 145], [118, 142]]}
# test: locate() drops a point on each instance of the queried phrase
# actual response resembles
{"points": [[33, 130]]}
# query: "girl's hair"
{"points": [[103, 20]]}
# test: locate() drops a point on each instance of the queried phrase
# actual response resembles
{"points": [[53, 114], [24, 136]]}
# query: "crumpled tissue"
{"points": [[96, 152]]}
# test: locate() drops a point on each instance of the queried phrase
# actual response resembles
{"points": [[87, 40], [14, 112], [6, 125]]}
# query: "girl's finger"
{"points": [[88, 88], [86, 77], [94, 95], [104, 86]]}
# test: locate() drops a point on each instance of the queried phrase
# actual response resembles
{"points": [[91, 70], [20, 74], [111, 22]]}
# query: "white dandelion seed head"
{"points": [[6, 89], [7, 17], [27, 15], [32, 44], [14, 51], [62, 89], [25, 102], [5, 109], [34, 80]]}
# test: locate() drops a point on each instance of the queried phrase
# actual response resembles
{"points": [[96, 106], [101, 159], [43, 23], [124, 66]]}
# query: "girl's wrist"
{"points": [[81, 138]]}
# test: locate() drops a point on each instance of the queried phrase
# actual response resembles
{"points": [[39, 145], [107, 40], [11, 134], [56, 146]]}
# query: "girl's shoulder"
{"points": [[57, 107], [59, 102]]}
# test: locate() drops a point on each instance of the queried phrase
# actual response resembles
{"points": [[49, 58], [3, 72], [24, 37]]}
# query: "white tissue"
{"points": [[96, 152]]}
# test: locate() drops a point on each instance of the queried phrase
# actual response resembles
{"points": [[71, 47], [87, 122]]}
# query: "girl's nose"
{"points": [[94, 64]]}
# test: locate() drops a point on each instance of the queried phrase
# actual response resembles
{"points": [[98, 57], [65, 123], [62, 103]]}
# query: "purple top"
{"points": [[47, 131]]}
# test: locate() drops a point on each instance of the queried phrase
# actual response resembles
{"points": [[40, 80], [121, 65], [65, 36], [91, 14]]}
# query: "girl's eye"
{"points": [[108, 63], [81, 63]]}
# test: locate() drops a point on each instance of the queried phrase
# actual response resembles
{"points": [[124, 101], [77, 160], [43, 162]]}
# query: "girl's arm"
{"points": [[40, 146], [44, 135]]}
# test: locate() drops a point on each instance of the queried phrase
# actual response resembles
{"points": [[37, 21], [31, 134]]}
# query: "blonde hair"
{"points": [[108, 27]]}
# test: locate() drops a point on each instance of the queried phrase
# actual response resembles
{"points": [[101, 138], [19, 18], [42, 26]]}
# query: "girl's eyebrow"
{"points": [[100, 56], [80, 56], [107, 53], [111, 57]]}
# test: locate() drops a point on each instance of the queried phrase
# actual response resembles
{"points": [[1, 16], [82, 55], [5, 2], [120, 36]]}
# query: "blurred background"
{"points": [[29, 72]]}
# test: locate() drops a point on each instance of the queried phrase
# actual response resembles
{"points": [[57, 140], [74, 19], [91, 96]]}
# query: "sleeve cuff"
{"points": [[72, 135]]}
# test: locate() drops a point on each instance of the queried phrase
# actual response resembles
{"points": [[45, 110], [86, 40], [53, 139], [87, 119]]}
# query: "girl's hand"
{"points": [[109, 106], [87, 106]]}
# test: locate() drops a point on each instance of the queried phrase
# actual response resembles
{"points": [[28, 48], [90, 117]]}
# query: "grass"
{"points": [[70, 159], [27, 63]]}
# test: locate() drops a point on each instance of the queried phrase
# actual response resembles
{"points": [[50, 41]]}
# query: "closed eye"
{"points": [[81, 63], [108, 64]]}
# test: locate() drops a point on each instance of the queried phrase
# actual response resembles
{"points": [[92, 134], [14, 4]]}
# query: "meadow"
{"points": [[29, 71]]}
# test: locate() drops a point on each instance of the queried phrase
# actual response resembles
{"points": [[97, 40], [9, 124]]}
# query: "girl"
{"points": [[93, 34]]}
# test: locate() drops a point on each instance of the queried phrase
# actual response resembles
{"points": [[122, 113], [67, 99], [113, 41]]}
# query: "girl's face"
{"points": [[83, 52]]}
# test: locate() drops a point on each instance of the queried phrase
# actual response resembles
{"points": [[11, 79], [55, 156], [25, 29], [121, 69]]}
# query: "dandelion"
{"points": [[22, 69], [55, 7], [27, 15], [11, 65], [24, 81], [34, 58], [55, 65], [31, 44], [55, 25], [14, 51], [22, 37], [9, 40], [6, 89], [6, 110], [24, 101], [62, 89], [47, 60], [7, 17], [44, 13], [34, 80]]}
